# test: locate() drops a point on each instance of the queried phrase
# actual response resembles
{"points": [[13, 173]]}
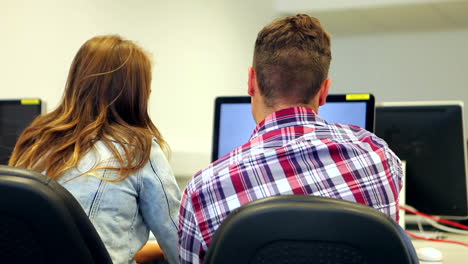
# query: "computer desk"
{"points": [[452, 253]]}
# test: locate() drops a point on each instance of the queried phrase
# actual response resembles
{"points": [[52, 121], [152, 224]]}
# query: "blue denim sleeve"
{"points": [[160, 201]]}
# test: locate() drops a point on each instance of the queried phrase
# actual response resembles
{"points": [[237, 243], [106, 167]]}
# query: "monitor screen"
{"points": [[429, 137], [15, 116], [234, 123]]}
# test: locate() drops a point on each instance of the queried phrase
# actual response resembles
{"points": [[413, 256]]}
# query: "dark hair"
{"points": [[106, 98], [291, 58]]}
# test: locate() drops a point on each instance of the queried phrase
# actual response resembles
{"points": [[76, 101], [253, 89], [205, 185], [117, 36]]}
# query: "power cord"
{"points": [[433, 220]]}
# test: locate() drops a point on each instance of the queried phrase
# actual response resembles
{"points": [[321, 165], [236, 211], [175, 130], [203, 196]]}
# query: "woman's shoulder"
{"points": [[157, 151], [103, 148], [158, 162]]}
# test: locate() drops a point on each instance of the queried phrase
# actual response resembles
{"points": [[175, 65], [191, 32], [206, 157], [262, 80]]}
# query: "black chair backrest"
{"points": [[41, 222], [307, 229]]}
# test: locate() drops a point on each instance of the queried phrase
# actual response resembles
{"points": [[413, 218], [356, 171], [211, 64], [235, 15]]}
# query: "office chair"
{"points": [[41, 222], [303, 229]]}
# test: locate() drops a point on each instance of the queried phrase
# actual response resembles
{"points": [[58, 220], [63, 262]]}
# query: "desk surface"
{"points": [[452, 253]]}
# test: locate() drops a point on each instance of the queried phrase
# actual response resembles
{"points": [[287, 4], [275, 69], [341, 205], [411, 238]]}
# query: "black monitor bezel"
{"points": [[368, 98], [30, 102], [37, 103], [370, 106], [425, 106]]}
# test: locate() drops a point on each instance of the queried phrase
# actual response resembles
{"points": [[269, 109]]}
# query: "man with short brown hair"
{"points": [[291, 60], [292, 150]]}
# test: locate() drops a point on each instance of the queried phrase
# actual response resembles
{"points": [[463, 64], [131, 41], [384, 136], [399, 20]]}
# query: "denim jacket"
{"points": [[124, 212]]}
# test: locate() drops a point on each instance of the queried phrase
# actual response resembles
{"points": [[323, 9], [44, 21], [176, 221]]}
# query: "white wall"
{"points": [[291, 6], [201, 49], [403, 66]]}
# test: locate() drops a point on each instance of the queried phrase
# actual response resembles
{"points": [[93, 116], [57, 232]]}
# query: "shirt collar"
{"points": [[293, 116]]}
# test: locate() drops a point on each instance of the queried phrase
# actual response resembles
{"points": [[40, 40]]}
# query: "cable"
{"points": [[433, 221], [437, 239], [446, 228], [435, 218], [434, 224], [419, 222]]}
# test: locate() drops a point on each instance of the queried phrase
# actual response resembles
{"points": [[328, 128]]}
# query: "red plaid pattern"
{"points": [[293, 151]]}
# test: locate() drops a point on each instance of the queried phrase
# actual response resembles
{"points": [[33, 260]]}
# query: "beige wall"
{"points": [[410, 66], [404, 66], [201, 49]]}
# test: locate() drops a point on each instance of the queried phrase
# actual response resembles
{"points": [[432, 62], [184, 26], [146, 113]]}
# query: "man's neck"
{"points": [[266, 111]]}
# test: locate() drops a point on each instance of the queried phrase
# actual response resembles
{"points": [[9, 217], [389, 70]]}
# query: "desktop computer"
{"points": [[429, 137], [15, 116], [234, 123]]}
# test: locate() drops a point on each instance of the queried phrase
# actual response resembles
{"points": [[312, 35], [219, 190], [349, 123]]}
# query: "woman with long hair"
{"points": [[102, 146]]}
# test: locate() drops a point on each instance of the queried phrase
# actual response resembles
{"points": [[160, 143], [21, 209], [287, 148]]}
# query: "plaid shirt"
{"points": [[293, 151]]}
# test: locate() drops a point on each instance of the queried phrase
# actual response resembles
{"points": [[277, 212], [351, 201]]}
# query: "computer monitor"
{"points": [[15, 116], [234, 123], [429, 137]]}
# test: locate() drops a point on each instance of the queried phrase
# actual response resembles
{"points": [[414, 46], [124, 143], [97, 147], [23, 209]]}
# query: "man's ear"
{"points": [[252, 83], [323, 92]]}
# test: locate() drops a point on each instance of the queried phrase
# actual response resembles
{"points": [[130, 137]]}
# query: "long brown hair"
{"points": [[105, 99]]}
